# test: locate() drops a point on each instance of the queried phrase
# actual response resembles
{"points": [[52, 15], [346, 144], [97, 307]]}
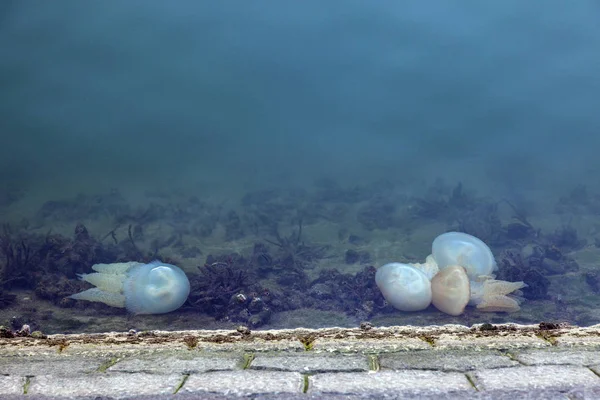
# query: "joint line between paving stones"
{"points": [[513, 358], [472, 382], [374, 362], [305, 383], [428, 339], [248, 358], [594, 372], [26, 384], [180, 384], [548, 338], [106, 365]]}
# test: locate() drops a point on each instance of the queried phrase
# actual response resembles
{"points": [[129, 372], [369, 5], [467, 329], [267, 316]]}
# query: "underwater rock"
{"points": [[260, 319], [533, 254], [567, 239], [6, 333], [548, 259], [351, 257], [356, 295], [321, 291], [364, 257], [55, 287], [24, 331], [226, 290], [513, 267]]}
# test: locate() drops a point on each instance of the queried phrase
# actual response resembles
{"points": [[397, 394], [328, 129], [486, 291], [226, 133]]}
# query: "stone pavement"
{"points": [[443, 362]]}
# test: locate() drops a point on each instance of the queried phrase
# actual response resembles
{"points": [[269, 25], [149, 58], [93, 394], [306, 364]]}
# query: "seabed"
{"points": [[485, 361], [92, 351]]}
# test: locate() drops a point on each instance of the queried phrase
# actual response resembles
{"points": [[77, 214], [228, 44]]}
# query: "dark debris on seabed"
{"points": [[282, 272]]}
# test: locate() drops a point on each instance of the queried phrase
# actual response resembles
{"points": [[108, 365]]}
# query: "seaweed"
{"points": [[18, 257], [294, 257], [219, 279], [133, 253], [566, 238], [76, 255], [49, 263], [482, 222], [356, 295], [514, 267], [6, 299]]}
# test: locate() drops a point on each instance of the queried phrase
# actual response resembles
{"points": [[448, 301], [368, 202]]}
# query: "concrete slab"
{"points": [[414, 383], [562, 377], [244, 383], [65, 366], [113, 385], [311, 363], [446, 360], [180, 363], [11, 385], [559, 356]]}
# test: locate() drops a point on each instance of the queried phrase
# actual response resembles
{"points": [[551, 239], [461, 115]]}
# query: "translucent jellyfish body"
{"points": [[153, 288], [404, 286], [469, 252]]}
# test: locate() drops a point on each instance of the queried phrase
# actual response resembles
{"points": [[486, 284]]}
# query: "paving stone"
{"points": [[58, 366], [184, 363], [256, 346], [558, 357], [11, 385], [493, 342], [446, 360], [584, 393], [311, 363], [113, 385], [370, 345], [111, 350], [243, 383], [591, 338], [535, 377], [411, 381]]}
